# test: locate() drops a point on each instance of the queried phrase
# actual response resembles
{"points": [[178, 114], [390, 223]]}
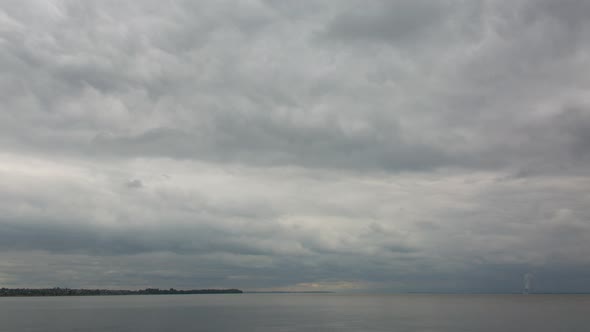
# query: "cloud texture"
{"points": [[389, 145]]}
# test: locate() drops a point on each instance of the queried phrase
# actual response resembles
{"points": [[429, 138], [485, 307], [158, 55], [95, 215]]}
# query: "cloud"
{"points": [[398, 22], [134, 184], [395, 145]]}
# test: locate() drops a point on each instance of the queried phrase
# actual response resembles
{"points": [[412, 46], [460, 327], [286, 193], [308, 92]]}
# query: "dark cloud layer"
{"points": [[390, 145]]}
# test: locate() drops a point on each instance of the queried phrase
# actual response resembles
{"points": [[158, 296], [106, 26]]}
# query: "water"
{"points": [[298, 312]]}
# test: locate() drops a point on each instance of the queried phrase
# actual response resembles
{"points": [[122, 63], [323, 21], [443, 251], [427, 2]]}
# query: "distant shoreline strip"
{"points": [[57, 291]]}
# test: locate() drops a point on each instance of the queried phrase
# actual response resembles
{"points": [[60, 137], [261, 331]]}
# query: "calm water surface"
{"points": [[298, 312]]}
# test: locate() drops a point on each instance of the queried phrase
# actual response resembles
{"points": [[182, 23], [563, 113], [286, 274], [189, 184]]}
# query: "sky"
{"points": [[350, 146]]}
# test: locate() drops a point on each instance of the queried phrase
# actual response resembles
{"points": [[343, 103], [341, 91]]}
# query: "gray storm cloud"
{"points": [[396, 145]]}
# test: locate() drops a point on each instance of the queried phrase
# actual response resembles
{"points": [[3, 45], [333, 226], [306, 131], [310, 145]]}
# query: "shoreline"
{"points": [[57, 291]]}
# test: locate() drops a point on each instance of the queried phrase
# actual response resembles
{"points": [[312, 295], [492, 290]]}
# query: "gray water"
{"points": [[298, 312]]}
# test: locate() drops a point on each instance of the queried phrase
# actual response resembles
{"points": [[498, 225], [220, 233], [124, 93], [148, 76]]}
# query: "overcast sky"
{"points": [[295, 145]]}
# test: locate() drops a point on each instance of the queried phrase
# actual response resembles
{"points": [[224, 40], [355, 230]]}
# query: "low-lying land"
{"points": [[94, 292]]}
